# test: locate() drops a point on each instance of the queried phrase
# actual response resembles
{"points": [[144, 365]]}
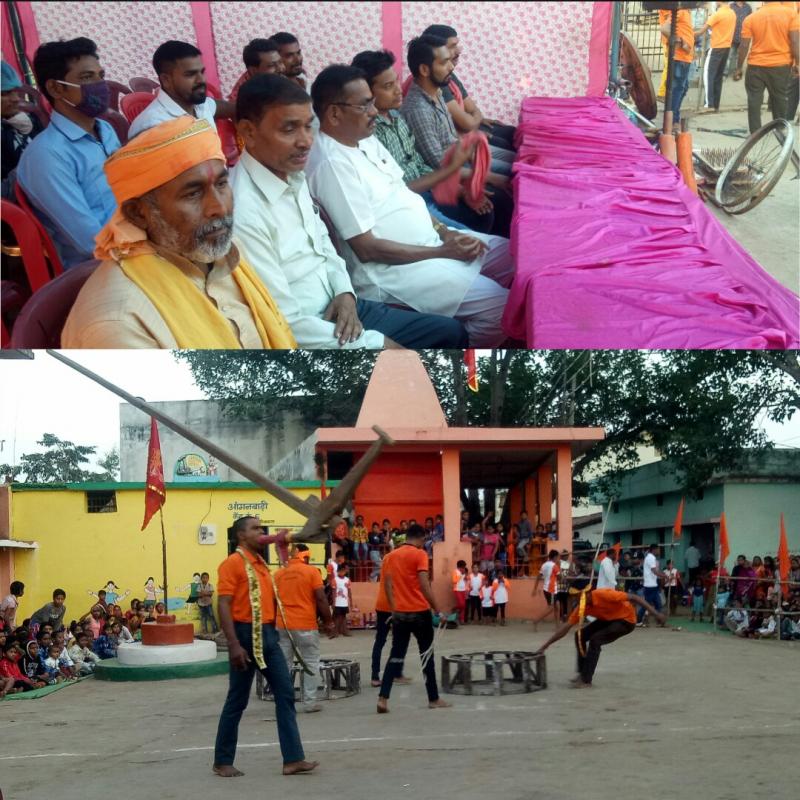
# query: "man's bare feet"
{"points": [[403, 681], [383, 705], [579, 684], [375, 683], [439, 704], [299, 767], [227, 771]]}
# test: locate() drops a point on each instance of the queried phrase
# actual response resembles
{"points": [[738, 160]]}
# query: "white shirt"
{"points": [[692, 556], [342, 595], [8, 610], [607, 576], [650, 579], [164, 108], [362, 189], [461, 583], [475, 583], [672, 578], [546, 571], [501, 593], [283, 238]]}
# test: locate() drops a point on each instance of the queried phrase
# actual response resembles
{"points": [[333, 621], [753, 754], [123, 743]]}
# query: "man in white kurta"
{"points": [[395, 251]]}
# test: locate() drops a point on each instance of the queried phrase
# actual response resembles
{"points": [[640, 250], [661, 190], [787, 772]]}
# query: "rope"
{"points": [[427, 655]]}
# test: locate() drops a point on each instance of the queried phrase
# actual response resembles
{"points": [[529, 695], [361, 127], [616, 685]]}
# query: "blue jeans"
{"points": [[361, 551], [680, 85], [640, 612], [411, 329], [652, 595], [240, 682], [206, 616]]}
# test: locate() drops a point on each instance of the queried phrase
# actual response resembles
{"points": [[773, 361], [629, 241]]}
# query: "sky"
{"points": [[45, 396]]}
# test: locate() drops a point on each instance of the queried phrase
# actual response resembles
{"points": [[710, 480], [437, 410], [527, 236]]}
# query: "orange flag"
{"points": [[472, 370], [678, 524], [783, 559], [724, 547], [617, 548], [154, 494]]}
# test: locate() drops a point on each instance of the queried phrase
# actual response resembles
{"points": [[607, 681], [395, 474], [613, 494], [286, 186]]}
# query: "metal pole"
{"points": [[616, 27], [164, 559], [673, 29]]}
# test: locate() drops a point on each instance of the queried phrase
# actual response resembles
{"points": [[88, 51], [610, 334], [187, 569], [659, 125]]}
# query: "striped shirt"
{"points": [[395, 135], [431, 123]]}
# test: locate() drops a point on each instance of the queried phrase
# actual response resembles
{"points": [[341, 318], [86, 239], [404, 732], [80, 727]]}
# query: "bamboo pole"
{"points": [[164, 558]]}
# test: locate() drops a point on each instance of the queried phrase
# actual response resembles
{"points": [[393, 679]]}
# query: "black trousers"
{"points": [[774, 80], [717, 59], [499, 135], [474, 607], [404, 625], [381, 635], [793, 98], [594, 636], [410, 329]]}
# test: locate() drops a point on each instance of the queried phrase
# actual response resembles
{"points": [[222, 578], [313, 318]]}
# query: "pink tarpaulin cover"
{"points": [[614, 251]]}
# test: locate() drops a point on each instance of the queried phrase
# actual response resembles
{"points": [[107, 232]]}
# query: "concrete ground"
{"points": [[770, 232], [671, 714]]}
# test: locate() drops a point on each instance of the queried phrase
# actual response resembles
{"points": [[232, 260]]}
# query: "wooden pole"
{"points": [[164, 558], [669, 588]]}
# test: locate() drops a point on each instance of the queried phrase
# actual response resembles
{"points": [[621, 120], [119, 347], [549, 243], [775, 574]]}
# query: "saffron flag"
{"points": [[724, 547], [678, 524], [783, 560], [154, 494], [472, 370]]}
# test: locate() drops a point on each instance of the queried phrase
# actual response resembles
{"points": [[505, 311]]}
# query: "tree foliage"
{"points": [[700, 409]]}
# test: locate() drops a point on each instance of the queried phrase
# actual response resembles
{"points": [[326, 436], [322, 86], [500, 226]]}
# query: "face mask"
{"points": [[95, 98]]}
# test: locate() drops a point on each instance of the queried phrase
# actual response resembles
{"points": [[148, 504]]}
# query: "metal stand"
{"points": [[338, 678], [503, 672]]}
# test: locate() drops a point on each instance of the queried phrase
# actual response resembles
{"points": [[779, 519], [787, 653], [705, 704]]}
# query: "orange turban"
{"points": [[152, 159]]}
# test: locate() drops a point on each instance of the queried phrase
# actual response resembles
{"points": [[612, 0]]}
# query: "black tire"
{"points": [[755, 168]]}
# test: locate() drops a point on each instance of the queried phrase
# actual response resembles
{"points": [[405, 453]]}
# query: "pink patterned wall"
{"points": [[328, 32], [512, 50], [127, 34]]}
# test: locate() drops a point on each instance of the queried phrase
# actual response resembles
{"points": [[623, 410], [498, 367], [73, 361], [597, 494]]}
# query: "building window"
{"points": [[101, 502], [615, 507], [636, 538], [659, 499]]}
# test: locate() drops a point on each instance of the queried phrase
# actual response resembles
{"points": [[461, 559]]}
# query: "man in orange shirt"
{"points": [[770, 46], [684, 55], [302, 599], [722, 25], [408, 590], [614, 617], [246, 604]]}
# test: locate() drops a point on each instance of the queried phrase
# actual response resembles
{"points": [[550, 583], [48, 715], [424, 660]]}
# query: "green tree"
{"points": [[62, 462], [701, 409], [109, 463]]}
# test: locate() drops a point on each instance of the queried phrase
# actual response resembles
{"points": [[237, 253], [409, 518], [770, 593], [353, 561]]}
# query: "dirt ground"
{"points": [[671, 714]]}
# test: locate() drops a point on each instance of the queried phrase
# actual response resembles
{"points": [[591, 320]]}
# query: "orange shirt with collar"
{"points": [[769, 30], [723, 25], [297, 584], [685, 31], [232, 582], [382, 602], [607, 605], [404, 568]]}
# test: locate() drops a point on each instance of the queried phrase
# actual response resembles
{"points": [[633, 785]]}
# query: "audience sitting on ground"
{"points": [[292, 57], [61, 170], [184, 91], [12, 680], [18, 127], [51, 614], [396, 252], [82, 656], [281, 234], [171, 276], [261, 57]]}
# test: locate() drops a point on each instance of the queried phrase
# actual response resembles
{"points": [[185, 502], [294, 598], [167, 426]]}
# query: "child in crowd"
{"points": [[736, 620], [490, 541], [65, 663], [476, 583], [32, 666], [487, 605], [83, 658], [376, 540], [511, 550], [11, 678], [460, 580], [122, 633], [52, 664], [205, 604], [343, 600], [698, 598], [500, 596], [359, 535], [105, 645], [96, 620]]}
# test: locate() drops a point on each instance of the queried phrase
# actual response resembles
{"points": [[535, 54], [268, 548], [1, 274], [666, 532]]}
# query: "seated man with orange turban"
{"points": [[171, 276]]}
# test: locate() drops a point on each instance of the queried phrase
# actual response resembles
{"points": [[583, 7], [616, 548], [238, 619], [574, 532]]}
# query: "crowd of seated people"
{"points": [[44, 649], [351, 218]]}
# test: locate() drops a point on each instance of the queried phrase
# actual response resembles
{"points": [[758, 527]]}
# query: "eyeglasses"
{"points": [[362, 107]]}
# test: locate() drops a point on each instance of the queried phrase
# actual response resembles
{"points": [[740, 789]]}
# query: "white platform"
{"points": [[138, 654]]}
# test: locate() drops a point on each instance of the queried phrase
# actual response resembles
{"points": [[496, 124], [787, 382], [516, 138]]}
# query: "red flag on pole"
{"points": [[724, 547], [678, 524], [154, 494], [783, 559], [472, 370]]}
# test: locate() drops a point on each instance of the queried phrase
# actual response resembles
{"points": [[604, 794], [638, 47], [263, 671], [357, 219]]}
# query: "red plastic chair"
{"points": [[133, 104], [226, 130], [42, 319], [144, 85], [119, 123], [30, 243], [49, 248], [117, 90]]}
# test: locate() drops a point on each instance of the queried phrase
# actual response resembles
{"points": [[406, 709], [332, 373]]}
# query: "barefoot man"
{"points": [[247, 614], [614, 616], [408, 590]]}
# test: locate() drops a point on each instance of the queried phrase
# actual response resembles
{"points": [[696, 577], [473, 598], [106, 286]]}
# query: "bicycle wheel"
{"points": [[755, 168]]}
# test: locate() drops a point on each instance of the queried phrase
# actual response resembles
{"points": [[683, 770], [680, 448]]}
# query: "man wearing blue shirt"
{"points": [[61, 171]]}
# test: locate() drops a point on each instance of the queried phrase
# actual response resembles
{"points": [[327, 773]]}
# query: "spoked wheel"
{"points": [[755, 167]]}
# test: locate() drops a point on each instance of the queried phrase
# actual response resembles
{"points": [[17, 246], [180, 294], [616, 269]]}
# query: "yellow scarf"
{"points": [[255, 604], [581, 616], [193, 319]]}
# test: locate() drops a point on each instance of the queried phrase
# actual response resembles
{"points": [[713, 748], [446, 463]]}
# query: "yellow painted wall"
{"points": [[80, 552]]}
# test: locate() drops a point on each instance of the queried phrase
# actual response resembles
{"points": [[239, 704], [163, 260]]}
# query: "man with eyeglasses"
{"points": [[61, 171], [395, 251]]}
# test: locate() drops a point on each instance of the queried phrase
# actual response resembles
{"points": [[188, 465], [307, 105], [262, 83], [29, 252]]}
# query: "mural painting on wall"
{"points": [[192, 467], [112, 594], [151, 593]]}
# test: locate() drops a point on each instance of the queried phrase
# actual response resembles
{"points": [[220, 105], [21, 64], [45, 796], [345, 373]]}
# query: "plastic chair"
{"points": [[133, 104], [119, 123], [42, 319], [117, 89], [143, 85], [32, 248], [49, 247]]}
